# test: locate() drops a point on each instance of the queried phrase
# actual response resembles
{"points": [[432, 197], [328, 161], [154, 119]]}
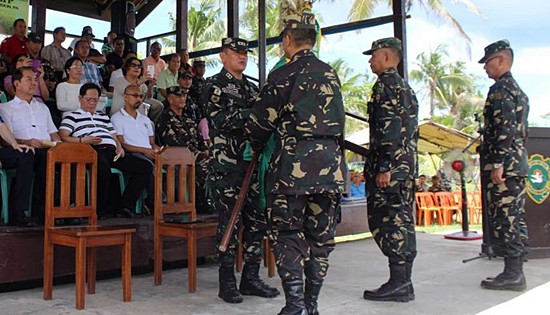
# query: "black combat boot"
{"points": [[396, 289], [313, 288], [408, 269], [228, 286], [251, 284], [294, 295], [511, 278]]}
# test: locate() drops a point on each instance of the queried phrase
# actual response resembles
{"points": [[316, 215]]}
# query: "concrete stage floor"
{"points": [[443, 284]]}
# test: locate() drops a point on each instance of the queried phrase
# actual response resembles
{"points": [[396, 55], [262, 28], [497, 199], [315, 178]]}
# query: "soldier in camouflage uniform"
{"points": [[505, 165], [192, 110], [176, 128], [198, 81], [302, 106], [391, 168], [228, 97]]}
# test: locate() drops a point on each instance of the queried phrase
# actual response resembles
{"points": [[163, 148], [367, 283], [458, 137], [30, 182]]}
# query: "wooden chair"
{"points": [[447, 202], [80, 159], [427, 207], [179, 164]]}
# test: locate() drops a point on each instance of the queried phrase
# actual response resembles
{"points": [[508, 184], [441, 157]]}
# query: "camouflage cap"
{"points": [[185, 74], [305, 20], [389, 42], [235, 44], [495, 47], [176, 90]]}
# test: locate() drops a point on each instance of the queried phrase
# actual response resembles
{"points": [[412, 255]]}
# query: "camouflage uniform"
{"points": [[302, 105], [228, 102], [196, 89], [193, 111], [393, 129], [181, 130], [393, 125], [503, 154], [504, 134]]}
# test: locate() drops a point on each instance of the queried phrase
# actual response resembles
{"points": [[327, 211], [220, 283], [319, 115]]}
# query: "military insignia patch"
{"points": [[538, 178]]}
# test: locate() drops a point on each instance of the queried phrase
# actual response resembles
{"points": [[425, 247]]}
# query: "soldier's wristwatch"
{"points": [[497, 165]]}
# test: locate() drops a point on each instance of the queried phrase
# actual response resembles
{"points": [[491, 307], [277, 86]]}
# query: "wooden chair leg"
{"points": [[192, 261], [91, 269], [158, 259], [80, 273], [127, 268], [48, 271]]}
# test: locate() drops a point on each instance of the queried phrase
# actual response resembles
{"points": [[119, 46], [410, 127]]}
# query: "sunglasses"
{"points": [[135, 95]]}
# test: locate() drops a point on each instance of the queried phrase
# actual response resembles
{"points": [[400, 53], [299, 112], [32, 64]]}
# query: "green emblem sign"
{"points": [[538, 178]]}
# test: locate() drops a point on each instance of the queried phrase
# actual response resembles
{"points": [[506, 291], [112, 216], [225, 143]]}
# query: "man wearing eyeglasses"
{"points": [[86, 125], [135, 133], [505, 166]]}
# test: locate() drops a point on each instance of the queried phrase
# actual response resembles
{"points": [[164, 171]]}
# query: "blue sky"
{"points": [[525, 23]]}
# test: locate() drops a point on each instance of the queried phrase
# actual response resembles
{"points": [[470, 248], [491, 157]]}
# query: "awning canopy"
{"points": [[433, 138]]}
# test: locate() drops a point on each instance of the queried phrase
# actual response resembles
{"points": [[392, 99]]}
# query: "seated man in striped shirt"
{"points": [[85, 125]]}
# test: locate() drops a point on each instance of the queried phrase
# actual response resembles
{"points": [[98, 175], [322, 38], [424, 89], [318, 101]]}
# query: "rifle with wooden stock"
{"points": [[239, 204]]}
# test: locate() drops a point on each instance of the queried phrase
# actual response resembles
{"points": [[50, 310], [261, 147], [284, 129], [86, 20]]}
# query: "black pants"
{"points": [[21, 185], [137, 169], [39, 187]]}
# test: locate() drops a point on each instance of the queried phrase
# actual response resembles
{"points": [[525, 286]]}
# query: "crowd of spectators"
{"points": [[124, 107]]}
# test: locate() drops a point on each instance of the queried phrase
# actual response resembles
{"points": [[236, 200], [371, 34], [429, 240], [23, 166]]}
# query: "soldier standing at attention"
{"points": [[228, 97], [302, 106], [505, 165], [391, 168]]}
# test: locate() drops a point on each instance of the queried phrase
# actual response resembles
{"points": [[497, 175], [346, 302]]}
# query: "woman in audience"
{"points": [[67, 92], [23, 60], [133, 71]]}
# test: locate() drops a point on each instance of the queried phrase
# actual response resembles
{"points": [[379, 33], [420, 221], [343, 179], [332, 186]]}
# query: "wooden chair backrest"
{"points": [[77, 162], [425, 199], [175, 164]]}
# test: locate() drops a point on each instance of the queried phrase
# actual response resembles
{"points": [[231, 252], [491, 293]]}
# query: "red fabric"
{"points": [[12, 47]]}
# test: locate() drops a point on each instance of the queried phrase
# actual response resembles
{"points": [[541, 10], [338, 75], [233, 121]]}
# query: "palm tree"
{"points": [[443, 82], [362, 9], [206, 28], [431, 72], [355, 90]]}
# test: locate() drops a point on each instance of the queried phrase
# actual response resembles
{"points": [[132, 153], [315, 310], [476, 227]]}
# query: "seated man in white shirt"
{"points": [[86, 125], [19, 157], [135, 132], [31, 124]]}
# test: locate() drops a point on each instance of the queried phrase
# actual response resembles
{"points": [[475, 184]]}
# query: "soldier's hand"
{"points": [[496, 176], [383, 179]]}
